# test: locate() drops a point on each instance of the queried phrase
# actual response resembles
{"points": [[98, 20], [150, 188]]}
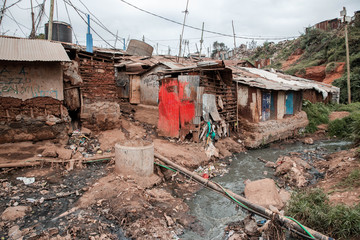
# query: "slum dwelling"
{"points": [[90, 88], [269, 104], [31, 90], [197, 102]]}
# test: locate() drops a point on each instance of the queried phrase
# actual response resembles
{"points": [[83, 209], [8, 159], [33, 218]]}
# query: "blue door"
{"points": [[289, 103], [265, 111]]}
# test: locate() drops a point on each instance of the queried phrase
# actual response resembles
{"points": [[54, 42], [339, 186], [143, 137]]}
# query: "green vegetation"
{"points": [[313, 209], [345, 128], [218, 47], [317, 113], [318, 47], [353, 180]]}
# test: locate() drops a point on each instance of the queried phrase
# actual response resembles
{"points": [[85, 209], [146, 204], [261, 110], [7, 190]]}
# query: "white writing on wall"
{"points": [[19, 82]]}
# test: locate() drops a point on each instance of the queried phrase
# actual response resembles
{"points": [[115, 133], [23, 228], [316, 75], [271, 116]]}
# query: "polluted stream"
{"points": [[213, 211]]}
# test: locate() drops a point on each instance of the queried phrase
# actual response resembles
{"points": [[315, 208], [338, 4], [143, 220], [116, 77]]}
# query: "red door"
{"points": [[169, 105]]}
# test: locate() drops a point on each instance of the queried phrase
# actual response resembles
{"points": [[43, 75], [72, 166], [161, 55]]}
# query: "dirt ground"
{"points": [[337, 167], [77, 200]]}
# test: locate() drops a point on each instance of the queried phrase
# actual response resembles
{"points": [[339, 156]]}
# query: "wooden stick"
{"points": [[54, 160], [259, 210], [19, 164]]}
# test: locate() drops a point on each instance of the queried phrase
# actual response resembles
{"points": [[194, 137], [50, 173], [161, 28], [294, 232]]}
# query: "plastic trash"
{"points": [[26, 180]]}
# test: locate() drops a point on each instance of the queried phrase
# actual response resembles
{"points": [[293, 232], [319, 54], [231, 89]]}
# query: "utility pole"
{"points": [[182, 32], [32, 34], [202, 39], [232, 22], [2, 12], [116, 38], [51, 19], [343, 13]]}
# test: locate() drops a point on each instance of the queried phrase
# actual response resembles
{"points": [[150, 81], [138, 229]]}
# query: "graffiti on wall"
{"points": [[20, 83]]}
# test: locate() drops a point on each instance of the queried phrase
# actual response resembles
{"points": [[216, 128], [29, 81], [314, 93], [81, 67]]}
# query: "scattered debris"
{"points": [[26, 180]]}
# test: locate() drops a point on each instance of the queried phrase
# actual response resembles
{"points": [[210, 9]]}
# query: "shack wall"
{"points": [[149, 87], [34, 119], [100, 108], [25, 80]]}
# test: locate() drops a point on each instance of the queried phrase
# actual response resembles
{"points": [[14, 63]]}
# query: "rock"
{"points": [[323, 127], [169, 220], [64, 154], [13, 213], [284, 167], [250, 225], [284, 195], [15, 233], [270, 165], [52, 120], [338, 115], [309, 141], [301, 162], [49, 151], [85, 131], [263, 192], [238, 236]]}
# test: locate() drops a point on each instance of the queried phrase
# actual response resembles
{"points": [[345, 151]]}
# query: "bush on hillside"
{"points": [[317, 113]]}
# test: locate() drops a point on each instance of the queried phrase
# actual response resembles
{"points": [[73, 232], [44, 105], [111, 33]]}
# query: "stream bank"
{"points": [[219, 211]]}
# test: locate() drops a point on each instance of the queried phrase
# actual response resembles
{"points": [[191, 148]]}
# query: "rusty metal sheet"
{"points": [[19, 49], [187, 95]]}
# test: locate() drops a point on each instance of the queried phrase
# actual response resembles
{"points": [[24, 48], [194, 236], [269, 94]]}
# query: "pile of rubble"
{"points": [[85, 143]]}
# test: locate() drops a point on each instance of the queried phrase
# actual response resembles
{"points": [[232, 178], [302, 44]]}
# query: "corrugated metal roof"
{"points": [[21, 49], [278, 81]]}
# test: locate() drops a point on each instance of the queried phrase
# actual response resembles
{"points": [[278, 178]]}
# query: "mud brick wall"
{"points": [[100, 107], [261, 133], [34, 119]]}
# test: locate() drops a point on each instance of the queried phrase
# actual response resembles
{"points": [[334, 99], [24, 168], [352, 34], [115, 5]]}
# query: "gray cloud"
{"points": [[266, 18]]}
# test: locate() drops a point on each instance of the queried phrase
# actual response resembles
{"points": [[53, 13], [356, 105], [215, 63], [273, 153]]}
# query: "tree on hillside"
{"points": [[218, 47]]}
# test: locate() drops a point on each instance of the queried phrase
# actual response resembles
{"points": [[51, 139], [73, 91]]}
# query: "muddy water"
{"points": [[214, 211]]}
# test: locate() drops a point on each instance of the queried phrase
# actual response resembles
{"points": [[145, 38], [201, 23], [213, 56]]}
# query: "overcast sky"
{"points": [[252, 19]]}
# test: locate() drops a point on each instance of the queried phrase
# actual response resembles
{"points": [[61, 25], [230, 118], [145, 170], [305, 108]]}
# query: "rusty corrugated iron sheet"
{"points": [[277, 81], [20, 49]]}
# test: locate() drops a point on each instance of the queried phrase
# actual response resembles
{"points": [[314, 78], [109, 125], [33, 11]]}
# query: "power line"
{"points": [[70, 3], [17, 23], [70, 21], [100, 23], [199, 29], [12, 5], [94, 20]]}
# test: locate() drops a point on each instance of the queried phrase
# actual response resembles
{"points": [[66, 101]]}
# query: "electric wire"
{"points": [[94, 20], [44, 6], [17, 23], [101, 24], [90, 26], [199, 29], [72, 29], [15, 3]]}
